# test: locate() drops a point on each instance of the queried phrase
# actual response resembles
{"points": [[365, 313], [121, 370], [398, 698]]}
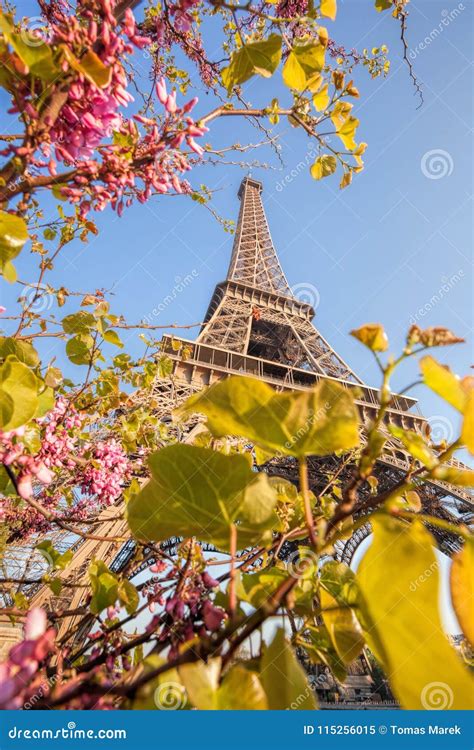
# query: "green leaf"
{"points": [[18, 394], [462, 588], [46, 401], [373, 336], [55, 584], [318, 421], [303, 62], [56, 560], [79, 349], [13, 234], [241, 690], [128, 596], [200, 492], [94, 69], [320, 650], [22, 350], [443, 382], [382, 5], [415, 445], [104, 585], [255, 588], [80, 322], [254, 57], [34, 53], [283, 678], [6, 485], [324, 166], [399, 583], [165, 366], [53, 377], [21, 601], [112, 337], [337, 594]]}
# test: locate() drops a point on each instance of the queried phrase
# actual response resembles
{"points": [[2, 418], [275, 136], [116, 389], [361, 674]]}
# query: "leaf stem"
{"points": [[304, 487]]}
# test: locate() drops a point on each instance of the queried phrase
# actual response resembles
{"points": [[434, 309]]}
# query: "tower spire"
{"points": [[254, 260]]}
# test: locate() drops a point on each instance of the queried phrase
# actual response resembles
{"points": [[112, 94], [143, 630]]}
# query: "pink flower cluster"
{"points": [[180, 11], [136, 163], [106, 471], [98, 470], [59, 439], [25, 466], [18, 672]]}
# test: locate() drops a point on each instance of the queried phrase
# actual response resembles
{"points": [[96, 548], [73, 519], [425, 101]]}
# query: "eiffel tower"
{"points": [[254, 326]]}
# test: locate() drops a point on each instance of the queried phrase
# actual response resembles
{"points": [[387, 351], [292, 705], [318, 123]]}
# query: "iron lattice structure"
{"points": [[254, 326]]}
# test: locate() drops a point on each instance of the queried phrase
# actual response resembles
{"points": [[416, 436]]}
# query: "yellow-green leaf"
{"points": [[321, 98], [200, 492], [461, 477], [340, 113], [323, 167], [462, 588], [328, 8], [261, 57], [240, 689], [399, 583], [337, 585], [467, 434], [18, 394], [373, 336], [303, 62], [37, 57], [91, 66], [415, 444], [317, 421], [13, 235], [347, 132], [443, 382], [283, 678]]}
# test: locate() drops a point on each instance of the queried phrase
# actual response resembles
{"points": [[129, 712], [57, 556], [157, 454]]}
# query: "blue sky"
{"points": [[393, 244]]}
